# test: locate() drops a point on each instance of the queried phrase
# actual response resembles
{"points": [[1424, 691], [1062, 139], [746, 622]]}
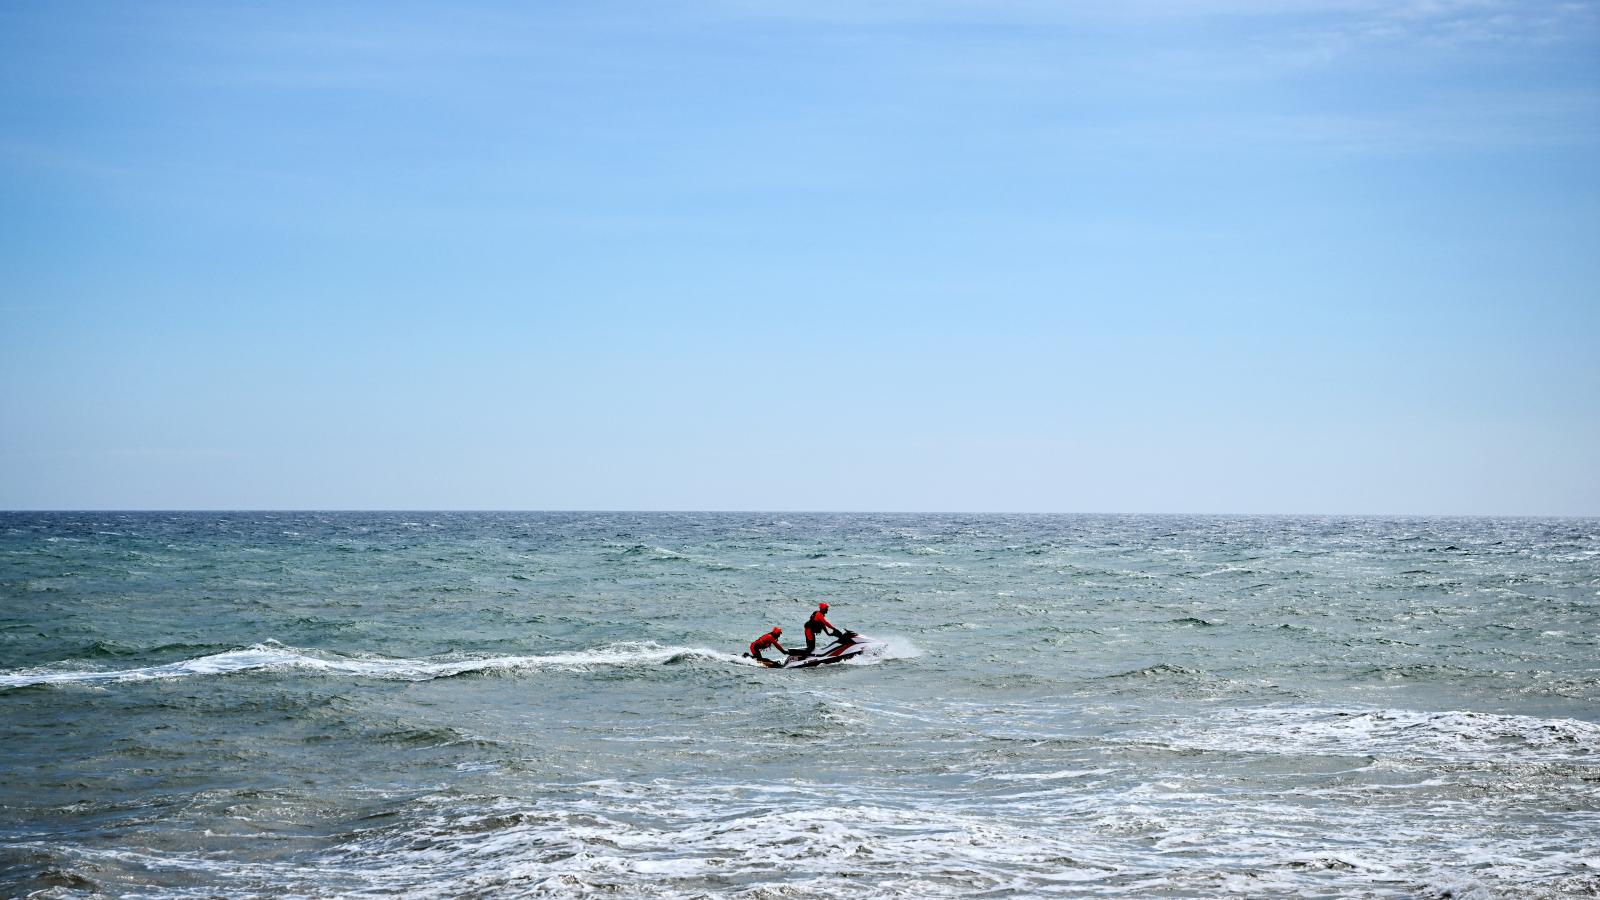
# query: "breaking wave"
{"points": [[1449, 735], [272, 656]]}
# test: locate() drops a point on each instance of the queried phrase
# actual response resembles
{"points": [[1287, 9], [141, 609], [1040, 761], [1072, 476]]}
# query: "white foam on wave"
{"points": [[673, 838], [1048, 776], [661, 842], [274, 656], [1451, 735], [1225, 570], [668, 838]]}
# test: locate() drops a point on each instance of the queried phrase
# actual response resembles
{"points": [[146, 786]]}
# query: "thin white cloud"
{"points": [[1462, 24], [1352, 20]]}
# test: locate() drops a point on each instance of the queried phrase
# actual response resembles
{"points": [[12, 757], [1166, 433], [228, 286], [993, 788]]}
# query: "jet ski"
{"points": [[843, 648]]}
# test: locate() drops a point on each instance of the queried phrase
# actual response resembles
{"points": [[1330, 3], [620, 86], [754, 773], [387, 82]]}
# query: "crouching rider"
{"points": [[770, 639]]}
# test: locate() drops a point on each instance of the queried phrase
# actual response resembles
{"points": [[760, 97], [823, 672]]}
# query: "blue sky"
{"points": [[1210, 256]]}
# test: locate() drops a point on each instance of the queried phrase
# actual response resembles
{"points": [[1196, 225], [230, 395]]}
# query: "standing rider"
{"points": [[819, 622], [770, 639]]}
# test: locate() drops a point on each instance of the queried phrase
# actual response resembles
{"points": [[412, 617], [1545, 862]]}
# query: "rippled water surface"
{"points": [[502, 704]]}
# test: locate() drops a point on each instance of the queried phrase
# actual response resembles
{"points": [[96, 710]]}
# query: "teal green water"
{"points": [[552, 704]]}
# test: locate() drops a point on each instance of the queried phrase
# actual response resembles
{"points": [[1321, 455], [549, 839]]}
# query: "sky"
{"points": [[1217, 256]]}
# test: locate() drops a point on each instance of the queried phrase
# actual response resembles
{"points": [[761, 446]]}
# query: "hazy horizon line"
{"points": [[817, 512]]}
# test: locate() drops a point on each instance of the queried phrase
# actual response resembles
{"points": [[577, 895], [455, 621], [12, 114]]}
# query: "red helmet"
{"points": [[822, 606], [777, 629]]}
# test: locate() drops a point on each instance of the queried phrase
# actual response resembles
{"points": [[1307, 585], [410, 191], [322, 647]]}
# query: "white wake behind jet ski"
{"points": [[841, 649]]}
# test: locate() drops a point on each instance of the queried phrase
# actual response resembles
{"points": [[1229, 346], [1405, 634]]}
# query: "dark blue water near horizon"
{"points": [[259, 704]]}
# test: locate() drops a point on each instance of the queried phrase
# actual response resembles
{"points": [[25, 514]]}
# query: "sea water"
{"points": [[554, 704]]}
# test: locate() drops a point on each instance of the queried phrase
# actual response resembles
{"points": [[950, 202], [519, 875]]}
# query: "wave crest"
{"points": [[272, 656]]}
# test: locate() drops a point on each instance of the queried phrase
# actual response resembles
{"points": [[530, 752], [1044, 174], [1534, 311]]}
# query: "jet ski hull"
{"points": [[847, 647]]}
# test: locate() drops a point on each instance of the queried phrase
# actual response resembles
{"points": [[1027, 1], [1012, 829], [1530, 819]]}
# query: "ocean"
{"points": [[437, 704]]}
